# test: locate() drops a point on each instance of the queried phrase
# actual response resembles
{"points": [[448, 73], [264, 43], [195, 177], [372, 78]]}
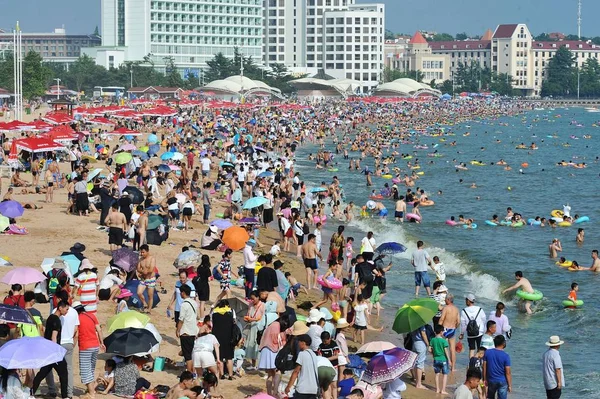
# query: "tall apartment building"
{"points": [[337, 37], [56, 46], [190, 31]]}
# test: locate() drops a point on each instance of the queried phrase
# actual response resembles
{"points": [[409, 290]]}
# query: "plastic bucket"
{"points": [[159, 364]]}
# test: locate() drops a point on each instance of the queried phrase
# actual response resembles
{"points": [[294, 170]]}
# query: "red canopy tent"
{"points": [[125, 132], [101, 121], [33, 144], [58, 118], [62, 133]]}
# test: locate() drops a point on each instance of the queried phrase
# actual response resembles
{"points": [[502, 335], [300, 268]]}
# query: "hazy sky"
{"points": [[472, 16]]}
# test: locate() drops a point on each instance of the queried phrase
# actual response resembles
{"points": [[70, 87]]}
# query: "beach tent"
{"points": [[33, 144]]}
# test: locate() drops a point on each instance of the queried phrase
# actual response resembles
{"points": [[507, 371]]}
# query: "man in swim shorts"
{"points": [[400, 209], [145, 273], [380, 210], [450, 320], [117, 225], [309, 255]]}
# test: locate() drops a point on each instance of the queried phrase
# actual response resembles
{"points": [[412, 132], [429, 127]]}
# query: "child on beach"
{"points": [[439, 348], [295, 286], [439, 269], [328, 278], [275, 249], [349, 252], [477, 362], [573, 293], [361, 319], [346, 383], [107, 382]]}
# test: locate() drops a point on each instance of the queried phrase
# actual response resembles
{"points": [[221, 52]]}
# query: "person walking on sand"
{"points": [[421, 261], [309, 255], [117, 226], [472, 322], [145, 273], [450, 320], [552, 368], [525, 286]]}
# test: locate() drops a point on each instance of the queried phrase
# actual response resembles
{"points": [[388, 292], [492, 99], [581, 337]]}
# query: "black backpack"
{"points": [[430, 332], [286, 358], [472, 326], [305, 229], [236, 335]]}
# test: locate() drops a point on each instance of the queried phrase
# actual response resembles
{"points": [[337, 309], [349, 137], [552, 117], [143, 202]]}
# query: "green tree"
{"points": [[501, 84], [447, 87], [172, 76], [219, 67], [543, 37], [81, 73], [462, 36], [389, 35], [561, 74], [590, 78], [442, 37], [6, 73], [389, 75], [467, 77], [36, 76]]}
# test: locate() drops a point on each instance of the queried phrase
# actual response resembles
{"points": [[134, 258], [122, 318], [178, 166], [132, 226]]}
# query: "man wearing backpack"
{"points": [[472, 323]]}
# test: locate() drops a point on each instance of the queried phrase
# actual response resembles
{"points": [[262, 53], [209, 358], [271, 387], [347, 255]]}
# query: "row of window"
{"points": [[433, 64], [212, 6], [327, 3], [212, 30], [428, 76], [54, 41], [344, 39], [201, 50], [341, 65], [222, 40], [52, 48], [205, 19], [340, 29]]}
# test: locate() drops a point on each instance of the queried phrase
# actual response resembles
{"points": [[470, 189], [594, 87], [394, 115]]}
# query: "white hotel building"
{"points": [[190, 31]]}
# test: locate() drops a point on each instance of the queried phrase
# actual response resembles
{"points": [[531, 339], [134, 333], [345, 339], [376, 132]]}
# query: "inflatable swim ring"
{"points": [[379, 196], [415, 167], [300, 317], [407, 157], [567, 263], [387, 176], [473, 226], [321, 219], [564, 224], [557, 213], [518, 224], [490, 223], [533, 222], [477, 163], [427, 203], [333, 283], [414, 216], [396, 180], [582, 219], [333, 169], [420, 173], [557, 220], [451, 222], [569, 304], [535, 296]]}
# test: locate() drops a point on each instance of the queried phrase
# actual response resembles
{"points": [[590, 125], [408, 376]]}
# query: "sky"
{"points": [[402, 16]]}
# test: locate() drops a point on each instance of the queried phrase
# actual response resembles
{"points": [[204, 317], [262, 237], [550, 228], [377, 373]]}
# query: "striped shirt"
{"points": [[87, 284]]}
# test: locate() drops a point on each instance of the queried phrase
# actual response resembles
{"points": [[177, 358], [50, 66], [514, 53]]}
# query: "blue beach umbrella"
{"points": [[164, 168], [167, 155], [153, 138], [222, 224], [266, 174], [390, 248], [255, 202], [72, 261], [153, 149], [141, 155], [318, 190]]}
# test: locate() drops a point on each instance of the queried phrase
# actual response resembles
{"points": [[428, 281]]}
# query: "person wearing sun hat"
{"points": [[86, 284], [315, 321], [552, 368]]}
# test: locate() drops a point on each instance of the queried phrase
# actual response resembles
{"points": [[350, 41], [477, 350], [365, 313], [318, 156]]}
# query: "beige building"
{"points": [[419, 57], [395, 51]]}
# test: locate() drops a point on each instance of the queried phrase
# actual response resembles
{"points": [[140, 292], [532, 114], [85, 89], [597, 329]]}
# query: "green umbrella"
{"points": [[122, 158], [414, 314], [4, 222]]}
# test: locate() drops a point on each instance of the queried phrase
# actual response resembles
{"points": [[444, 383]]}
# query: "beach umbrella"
{"points": [[4, 223], [152, 138], [389, 365], [15, 314], [126, 259], [188, 258], [72, 261], [174, 167], [372, 348], [260, 149], [224, 164], [414, 314], [390, 248], [177, 156], [11, 209], [167, 155], [154, 221], [153, 149], [255, 202], [235, 237], [250, 221], [128, 147], [93, 174], [266, 173], [221, 223], [5, 262], [144, 148], [318, 190], [141, 155], [150, 327], [122, 158], [261, 395], [23, 276], [127, 341], [164, 168], [127, 319], [30, 353], [136, 195]]}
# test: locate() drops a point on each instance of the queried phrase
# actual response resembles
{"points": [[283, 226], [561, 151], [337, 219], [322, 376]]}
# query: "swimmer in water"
{"points": [[473, 185]]}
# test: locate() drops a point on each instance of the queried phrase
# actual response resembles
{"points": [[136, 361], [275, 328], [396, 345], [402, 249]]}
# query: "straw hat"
{"points": [[299, 328], [554, 341], [342, 323]]}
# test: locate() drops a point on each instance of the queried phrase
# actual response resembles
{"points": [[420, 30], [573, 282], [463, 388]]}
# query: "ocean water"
{"points": [[483, 261]]}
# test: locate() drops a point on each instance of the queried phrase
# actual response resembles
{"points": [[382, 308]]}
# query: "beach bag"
{"points": [[145, 394], [286, 358], [306, 229], [54, 277], [216, 275], [472, 326]]}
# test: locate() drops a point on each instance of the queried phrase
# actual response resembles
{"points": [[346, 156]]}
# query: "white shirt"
{"points": [[314, 332], [275, 250], [472, 311], [69, 322], [249, 258], [318, 239], [462, 392], [205, 163], [108, 281], [367, 244], [394, 389]]}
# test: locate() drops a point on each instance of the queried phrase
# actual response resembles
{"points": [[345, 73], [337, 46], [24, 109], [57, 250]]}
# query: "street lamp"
{"points": [[131, 78], [57, 88]]}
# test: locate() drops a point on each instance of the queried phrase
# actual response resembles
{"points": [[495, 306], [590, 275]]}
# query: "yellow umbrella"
{"points": [[127, 319], [145, 148]]}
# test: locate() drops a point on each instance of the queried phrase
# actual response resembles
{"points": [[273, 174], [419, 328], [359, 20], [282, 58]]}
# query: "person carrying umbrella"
{"points": [[53, 333]]}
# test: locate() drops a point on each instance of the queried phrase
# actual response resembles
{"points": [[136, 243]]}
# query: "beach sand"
{"points": [[52, 231]]}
